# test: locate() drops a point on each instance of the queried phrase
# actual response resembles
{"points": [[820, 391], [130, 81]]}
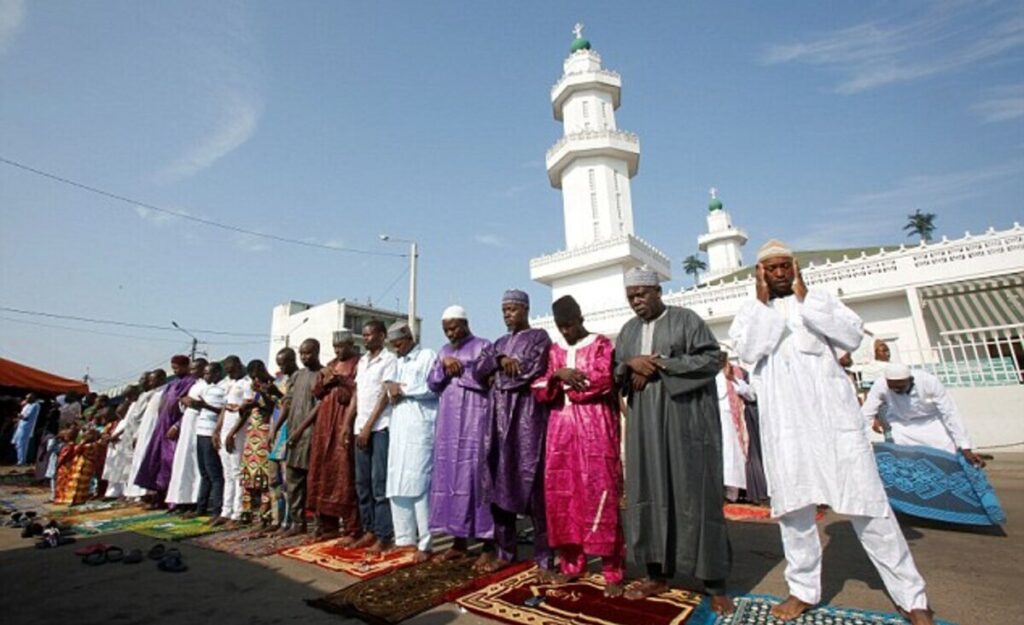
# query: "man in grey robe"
{"points": [[666, 360], [299, 403]]}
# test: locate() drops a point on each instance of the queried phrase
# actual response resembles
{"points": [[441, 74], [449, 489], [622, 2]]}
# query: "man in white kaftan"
{"points": [[814, 439], [734, 431], [121, 447], [411, 447], [919, 411], [147, 424], [183, 489]]}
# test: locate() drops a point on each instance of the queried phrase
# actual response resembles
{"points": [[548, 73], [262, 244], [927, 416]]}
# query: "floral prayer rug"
{"points": [[403, 593], [354, 562], [166, 527], [106, 521], [749, 513], [522, 598], [938, 485], [756, 610], [244, 544]]}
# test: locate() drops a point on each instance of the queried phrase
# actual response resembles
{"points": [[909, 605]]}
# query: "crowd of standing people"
{"points": [[386, 449]]}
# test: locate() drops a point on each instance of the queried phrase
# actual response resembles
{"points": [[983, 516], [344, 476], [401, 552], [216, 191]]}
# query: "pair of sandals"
{"points": [[21, 519], [168, 560], [51, 536], [99, 553]]}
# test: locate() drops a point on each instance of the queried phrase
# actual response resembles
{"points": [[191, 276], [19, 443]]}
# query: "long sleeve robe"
{"points": [[927, 415], [411, 440], [119, 455], [143, 435], [184, 485], [457, 506], [674, 485], [331, 488], [514, 440], [155, 472], [813, 437], [582, 470]]}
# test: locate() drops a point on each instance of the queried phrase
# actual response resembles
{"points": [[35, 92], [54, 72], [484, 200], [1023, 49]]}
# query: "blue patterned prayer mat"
{"points": [[756, 610], [935, 484]]}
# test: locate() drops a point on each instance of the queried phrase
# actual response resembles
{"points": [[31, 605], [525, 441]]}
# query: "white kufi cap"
{"points": [[453, 312], [897, 371]]}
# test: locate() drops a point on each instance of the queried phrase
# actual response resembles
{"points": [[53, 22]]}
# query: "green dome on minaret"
{"points": [[579, 43], [715, 204]]}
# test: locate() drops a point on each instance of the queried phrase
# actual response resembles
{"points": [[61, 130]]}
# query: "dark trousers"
{"points": [[506, 536], [295, 485], [211, 478], [371, 482]]}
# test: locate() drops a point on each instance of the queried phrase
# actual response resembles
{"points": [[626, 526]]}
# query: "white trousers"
{"points": [[881, 538], [410, 516], [232, 463]]}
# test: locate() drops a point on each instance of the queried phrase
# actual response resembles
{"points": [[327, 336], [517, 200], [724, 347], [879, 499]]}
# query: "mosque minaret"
{"points": [[593, 163], [723, 242]]}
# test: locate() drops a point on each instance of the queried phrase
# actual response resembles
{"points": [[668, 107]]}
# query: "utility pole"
{"points": [[413, 259], [195, 341]]}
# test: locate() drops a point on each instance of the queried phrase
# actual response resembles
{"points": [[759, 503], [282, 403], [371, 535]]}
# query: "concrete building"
{"points": [[294, 322], [954, 307]]}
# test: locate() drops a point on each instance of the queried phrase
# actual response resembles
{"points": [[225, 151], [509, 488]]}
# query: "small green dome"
{"points": [[579, 44], [714, 205]]}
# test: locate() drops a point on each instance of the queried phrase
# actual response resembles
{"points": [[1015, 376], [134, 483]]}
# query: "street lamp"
{"points": [[195, 341], [413, 256]]}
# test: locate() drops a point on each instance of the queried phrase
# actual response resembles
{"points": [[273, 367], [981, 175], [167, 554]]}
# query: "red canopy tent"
{"points": [[16, 375]]}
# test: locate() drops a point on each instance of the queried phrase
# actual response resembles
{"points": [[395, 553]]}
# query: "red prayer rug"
{"points": [[580, 603], [749, 513], [245, 543], [354, 562]]}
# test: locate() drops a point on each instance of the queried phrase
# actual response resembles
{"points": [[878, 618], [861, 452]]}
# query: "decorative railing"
{"points": [[607, 73], [597, 246], [585, 135]]}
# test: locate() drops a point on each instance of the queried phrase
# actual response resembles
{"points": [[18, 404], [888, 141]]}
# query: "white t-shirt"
{"points": [[239, 391], [215, 395], [370, 375]]}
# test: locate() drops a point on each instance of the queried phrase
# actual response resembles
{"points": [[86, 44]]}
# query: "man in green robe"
{"points": [[666, 359]]}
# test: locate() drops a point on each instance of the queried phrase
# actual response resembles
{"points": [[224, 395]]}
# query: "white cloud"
{"points": [[12, 20], [154, 217], [240, 117], [1001, 104], [950, 36], [491, 240], [251, 243]]}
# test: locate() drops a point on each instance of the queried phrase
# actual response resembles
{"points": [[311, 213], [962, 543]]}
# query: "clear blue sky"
{"points": [[821, 123]]}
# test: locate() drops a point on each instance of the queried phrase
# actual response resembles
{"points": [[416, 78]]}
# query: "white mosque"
{"points": [[955, 307]]}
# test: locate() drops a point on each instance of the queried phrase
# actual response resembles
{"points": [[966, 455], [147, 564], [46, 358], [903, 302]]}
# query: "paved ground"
{"points": [[974, 578]]}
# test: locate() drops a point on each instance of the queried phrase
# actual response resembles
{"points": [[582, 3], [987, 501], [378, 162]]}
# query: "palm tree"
{"points": [[693, 265], [920, 224]]}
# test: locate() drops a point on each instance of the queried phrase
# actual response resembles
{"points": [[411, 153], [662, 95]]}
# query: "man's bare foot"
{"points": [[421, 556], [613, 591], [188, 515], [217, 521], [918, 617], [644, 588], [374, 548], [367, 539], [564, 578], [452, 554], [547, 576], [297, 530], [493, 565], [321, 535], [722, 604], [790, 609], [484, 560], [346, 541]]}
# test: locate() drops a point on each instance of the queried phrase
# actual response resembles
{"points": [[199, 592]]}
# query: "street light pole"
{"points": [[195, 341], [413, 260]]}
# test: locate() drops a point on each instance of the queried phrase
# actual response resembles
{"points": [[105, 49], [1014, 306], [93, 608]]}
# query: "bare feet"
{"points": [[483, 561], [421, 556], [367, 539], [644, 588], [918, 617], [613, 591], [564, 578], [493, 565], [790, 609], [722, 604], [547, 576], [217, 521], [374, 548], [347, 541], [297, 530], [452, 554], [326, 535]]}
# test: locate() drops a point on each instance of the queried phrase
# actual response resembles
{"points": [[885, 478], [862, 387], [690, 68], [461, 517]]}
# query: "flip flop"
{"points": [[133, 557], [114, 554], [171, 562], [91, 548], [95, 558], [157, 552]]}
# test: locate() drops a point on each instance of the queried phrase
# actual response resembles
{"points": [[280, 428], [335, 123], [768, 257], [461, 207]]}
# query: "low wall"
{"points": [[994, 415]]}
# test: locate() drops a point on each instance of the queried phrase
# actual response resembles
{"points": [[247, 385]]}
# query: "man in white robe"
{"points": [[183, 489], [411, 447], [238, 399], [118, 463], [919, 411], [158, 382], [734, 429], [814, 439]]}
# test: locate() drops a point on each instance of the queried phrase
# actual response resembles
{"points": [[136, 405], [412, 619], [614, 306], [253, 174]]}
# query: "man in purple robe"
{"points": [[514, 440], [457, 506], [155, 471]]}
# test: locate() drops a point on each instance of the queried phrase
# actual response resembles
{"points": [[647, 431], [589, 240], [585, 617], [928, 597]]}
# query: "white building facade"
{"points": [[294, 322]]}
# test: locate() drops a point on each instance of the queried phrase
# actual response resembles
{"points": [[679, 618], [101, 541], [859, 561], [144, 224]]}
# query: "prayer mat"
{"points": [[107, 521], [756, 610], [581, 603], [401, 594], [242, 543], [19, 478], [749, 513], [354, 562], [166, 527], [935, 484]]}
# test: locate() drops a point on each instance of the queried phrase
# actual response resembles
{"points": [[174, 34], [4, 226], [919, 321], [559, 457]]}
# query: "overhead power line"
{"points": [[187, 216], [88, 331], [126, 324]]}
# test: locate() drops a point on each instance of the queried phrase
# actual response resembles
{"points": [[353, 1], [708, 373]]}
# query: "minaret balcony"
{"points": [[625, 250], [617, 144], [732, 234], [600, 80]]}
